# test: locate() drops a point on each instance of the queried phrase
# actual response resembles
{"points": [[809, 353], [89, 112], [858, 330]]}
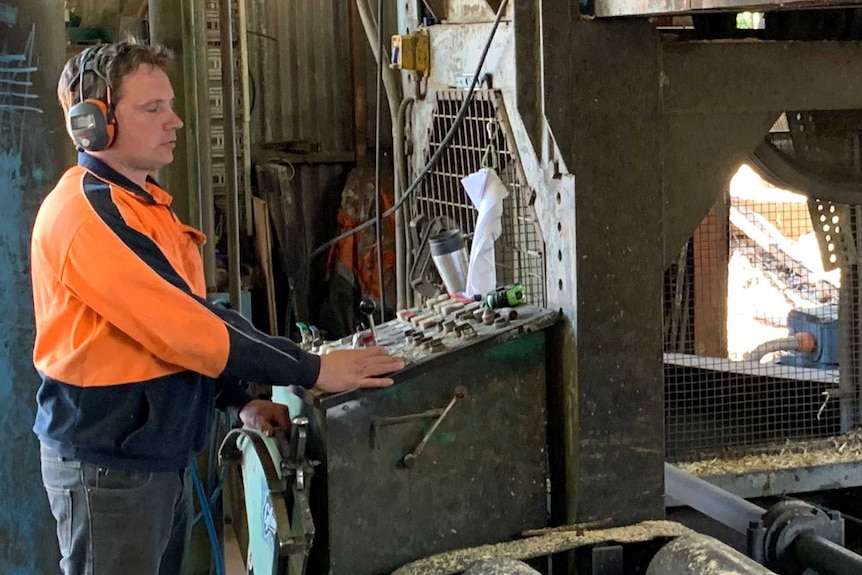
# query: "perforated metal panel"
{"points": [[484, 139], [832, 226]]}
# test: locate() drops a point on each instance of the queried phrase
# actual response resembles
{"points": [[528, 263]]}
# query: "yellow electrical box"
{"points": [[412, 52]]}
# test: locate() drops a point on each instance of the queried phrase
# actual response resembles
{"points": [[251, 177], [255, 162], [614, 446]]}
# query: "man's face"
{"points": [[146, 122]]}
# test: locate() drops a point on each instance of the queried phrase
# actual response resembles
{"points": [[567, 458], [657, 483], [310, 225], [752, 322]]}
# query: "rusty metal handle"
{"points": [[410, 458]]}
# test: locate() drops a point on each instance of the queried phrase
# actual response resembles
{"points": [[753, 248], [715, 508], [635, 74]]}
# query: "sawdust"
{"points": [[457, 561], [846, 448]]}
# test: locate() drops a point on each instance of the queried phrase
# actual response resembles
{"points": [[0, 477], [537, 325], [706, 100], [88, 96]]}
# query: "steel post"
{"points": [[231, 179], [166, 27]]}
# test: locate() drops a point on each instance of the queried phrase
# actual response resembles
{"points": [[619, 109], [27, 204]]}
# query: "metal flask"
{"points": [[450, 258]]}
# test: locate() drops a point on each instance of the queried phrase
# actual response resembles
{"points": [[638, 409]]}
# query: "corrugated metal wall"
{"points": [[31, 131], [314, 67], [300, 60], [300, 66]]}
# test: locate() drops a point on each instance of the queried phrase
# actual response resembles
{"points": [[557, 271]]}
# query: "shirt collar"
{"points": [[153, 194]]}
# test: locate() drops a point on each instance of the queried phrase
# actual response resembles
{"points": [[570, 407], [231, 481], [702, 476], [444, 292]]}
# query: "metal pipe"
{"points": [[204, 142], [378, 228], [390, 77], [402, 240], [824, 556], [230, 180], [724, 507], [771, 346], [242, 41], [696, 554], [166, 28], [191, 95]]}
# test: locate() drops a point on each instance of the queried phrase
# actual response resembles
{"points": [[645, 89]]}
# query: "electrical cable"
{"points": [[435, 158], [377, 216], [215, 547]]}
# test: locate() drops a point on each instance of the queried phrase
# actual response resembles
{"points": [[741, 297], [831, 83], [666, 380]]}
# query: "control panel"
{"points": [[443, 324]]}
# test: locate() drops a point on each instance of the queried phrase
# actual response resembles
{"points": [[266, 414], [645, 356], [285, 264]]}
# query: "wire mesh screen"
{"points": [[483, 140], [754, 350]]}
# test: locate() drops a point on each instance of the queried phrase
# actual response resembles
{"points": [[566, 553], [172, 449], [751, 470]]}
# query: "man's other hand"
{"points": [[265, 416], [346, 369]]}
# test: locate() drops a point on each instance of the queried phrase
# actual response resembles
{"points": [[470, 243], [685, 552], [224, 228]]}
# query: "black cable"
{"points": [[377, 216], [432, 162]]}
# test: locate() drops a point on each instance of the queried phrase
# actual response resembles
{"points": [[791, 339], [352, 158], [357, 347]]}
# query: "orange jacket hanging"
{"points": [[132, 356]]}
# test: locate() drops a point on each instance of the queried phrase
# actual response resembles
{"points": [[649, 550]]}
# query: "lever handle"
{"points": [[410, 458]]}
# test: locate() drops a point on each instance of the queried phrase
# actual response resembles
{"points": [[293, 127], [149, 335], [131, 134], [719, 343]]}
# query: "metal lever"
{"points": [[296, 450], [410, 458], [367, 307]]}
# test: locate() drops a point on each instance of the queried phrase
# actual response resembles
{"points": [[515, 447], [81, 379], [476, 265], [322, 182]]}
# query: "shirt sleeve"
{"points": [[124, 277]]}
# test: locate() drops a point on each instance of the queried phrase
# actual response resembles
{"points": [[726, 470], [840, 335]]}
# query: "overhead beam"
{"points": [[769, 76], [627, 8]]}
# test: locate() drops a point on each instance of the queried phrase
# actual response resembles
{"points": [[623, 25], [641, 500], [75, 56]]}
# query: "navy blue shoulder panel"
{"points": [[109, 174], [98, 193]]}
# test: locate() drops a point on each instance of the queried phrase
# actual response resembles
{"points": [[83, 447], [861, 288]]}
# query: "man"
{"points": [[132, 357]]}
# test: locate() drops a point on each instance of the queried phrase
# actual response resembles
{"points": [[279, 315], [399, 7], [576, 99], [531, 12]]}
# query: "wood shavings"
{"points": [[845, 448], [457, 561]]}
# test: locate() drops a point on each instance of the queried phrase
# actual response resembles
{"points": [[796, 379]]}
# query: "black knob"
{"points": [[367, 306]]}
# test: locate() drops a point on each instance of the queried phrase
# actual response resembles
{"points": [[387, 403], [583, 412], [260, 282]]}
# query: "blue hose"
{"points": [[206, 509]]}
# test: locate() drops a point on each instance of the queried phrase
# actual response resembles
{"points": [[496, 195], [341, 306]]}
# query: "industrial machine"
{"points": [[456, 445], [615, 130]]}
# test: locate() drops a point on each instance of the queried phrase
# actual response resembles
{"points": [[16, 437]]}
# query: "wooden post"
{"points": [[710, 282]]}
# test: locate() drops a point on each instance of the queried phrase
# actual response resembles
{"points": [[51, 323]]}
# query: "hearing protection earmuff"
{"points": [[91, 121]]}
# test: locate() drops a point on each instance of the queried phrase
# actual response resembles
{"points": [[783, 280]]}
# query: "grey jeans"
{"points": [[117, 521]]}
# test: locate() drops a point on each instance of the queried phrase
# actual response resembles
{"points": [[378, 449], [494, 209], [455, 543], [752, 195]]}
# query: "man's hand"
{"points": [[265, 416], [346, 369]]}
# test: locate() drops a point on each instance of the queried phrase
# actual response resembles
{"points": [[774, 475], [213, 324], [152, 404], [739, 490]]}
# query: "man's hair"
{"points": [[114, 62]]}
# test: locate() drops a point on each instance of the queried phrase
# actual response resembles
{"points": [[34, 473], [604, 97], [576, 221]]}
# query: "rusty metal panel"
{"points": [[611, 8]]}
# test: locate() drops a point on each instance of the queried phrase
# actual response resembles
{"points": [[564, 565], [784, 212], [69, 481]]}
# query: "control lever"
{"points": [[410, 458], [367, 307], [295, 451]]}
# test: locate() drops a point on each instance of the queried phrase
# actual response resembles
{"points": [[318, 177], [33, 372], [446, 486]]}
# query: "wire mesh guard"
{"points": [[760, 347], [483, 140]]}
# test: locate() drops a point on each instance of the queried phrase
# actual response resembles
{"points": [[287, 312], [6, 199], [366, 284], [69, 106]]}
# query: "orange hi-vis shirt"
{"points": [[133, 358]]}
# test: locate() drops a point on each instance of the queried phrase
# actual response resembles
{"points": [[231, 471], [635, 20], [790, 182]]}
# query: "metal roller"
{"points": [[701, 555], [500, 566]]}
